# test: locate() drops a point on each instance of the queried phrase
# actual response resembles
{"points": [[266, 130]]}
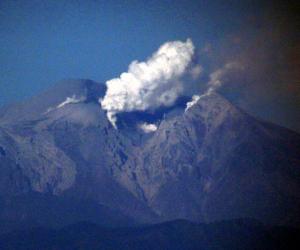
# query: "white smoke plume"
{"points": [[148, 127], [150, 84], [191, 103]]}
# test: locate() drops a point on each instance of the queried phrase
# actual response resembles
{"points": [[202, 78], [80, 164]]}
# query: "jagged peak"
{"points": [[210, 109]]}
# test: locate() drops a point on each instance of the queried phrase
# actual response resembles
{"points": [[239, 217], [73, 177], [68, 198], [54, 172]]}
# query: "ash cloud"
{"points": [[153, 83], [256, 66], [267, 46]]}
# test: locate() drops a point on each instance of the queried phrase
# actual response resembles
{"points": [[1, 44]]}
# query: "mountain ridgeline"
{"points": [[62, 162]]}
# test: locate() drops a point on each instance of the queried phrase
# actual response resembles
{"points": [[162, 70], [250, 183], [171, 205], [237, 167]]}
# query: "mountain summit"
{"points": [[211, 162]]}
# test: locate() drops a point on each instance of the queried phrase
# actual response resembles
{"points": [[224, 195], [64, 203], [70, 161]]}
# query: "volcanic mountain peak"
{"points": [[210, 162]]}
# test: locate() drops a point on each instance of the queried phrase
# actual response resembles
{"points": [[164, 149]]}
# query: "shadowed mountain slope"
{"points": [[211, 162]]}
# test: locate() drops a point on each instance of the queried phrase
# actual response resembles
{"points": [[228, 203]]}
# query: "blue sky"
{"points": [[42, 42], [45, 41]]}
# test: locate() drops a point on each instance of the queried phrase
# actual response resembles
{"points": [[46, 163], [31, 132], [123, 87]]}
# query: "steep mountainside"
{"points": [[214, 162], [210, 162]]}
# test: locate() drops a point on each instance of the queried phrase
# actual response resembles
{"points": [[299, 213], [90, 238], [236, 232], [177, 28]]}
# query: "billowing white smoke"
{"points": [[150, 84]]}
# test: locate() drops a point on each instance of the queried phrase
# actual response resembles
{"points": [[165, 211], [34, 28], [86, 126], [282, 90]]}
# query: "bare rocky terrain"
{"points": [[62, 162]]}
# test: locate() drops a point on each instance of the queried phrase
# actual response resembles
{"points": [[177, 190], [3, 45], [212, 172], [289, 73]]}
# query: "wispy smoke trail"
{"points": [[71, 100], [218, 77], [216, 81]]}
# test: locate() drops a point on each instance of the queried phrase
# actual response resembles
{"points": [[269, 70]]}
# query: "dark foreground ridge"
{"points": [[180, 234]]}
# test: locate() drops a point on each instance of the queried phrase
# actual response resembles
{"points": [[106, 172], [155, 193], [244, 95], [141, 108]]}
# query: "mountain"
{"points": [[214, 162], [62, 162]]}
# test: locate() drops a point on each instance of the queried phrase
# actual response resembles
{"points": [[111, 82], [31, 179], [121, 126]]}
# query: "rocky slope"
{"points": [[211, 162]]}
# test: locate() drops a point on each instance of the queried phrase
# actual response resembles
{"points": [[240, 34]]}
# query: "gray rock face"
{"points": [[212, 162]]}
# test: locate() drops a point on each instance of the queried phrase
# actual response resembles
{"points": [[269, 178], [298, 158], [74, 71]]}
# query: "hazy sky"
{"points": [[45, 41]]}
